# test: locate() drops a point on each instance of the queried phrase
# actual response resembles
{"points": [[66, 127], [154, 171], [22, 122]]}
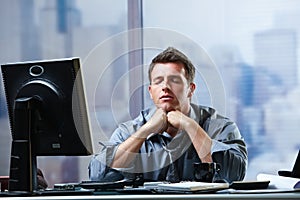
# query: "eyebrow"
{"points": [[168, 77], [174, 76]]}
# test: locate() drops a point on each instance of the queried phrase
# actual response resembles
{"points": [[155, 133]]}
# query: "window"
{"points": [[246, 53]]}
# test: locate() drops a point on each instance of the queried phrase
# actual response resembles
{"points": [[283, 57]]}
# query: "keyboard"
{"points": [[100, 185]]}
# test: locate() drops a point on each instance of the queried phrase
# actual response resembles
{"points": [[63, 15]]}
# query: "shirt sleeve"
{"points": [[228, 149], [122, 133], [99, 167]]}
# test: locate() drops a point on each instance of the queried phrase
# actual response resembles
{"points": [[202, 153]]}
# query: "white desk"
{"points": [[264, 196]]}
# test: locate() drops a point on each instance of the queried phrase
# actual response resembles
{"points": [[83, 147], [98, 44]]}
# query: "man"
{"points": [[164, 142]]}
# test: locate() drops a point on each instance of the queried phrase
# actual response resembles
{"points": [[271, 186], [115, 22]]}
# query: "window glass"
{"points": [[41, 29], [246, 55], [253, 45]]}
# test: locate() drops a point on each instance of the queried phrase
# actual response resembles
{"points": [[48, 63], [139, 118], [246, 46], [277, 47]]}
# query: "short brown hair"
{"points": [[174, 55]]}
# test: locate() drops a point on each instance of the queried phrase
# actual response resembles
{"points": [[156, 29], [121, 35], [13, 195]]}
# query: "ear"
{"points": [[191, 89], [150, 91]]}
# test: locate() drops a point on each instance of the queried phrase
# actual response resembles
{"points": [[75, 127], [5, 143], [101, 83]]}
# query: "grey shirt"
{"points": [[159, 150]]}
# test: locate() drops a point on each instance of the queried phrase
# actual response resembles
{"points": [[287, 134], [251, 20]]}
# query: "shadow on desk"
{"points": [[223, 194]]}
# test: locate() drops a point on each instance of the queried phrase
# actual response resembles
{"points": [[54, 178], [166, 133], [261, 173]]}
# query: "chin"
{"points": [[167, 107]]}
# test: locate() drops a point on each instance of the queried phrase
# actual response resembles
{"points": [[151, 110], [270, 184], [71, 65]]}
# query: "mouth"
{"points": [[166, 97]]}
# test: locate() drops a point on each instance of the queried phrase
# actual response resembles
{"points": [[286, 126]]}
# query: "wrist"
{"points": [[207, 159], [144, 131], [190, 125]]}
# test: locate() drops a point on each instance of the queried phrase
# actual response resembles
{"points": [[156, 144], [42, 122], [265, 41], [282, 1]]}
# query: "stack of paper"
{"points": [[192, 186], [280, 182]]}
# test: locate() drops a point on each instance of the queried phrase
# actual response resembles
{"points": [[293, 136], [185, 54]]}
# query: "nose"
{"points": [[165, 86]]}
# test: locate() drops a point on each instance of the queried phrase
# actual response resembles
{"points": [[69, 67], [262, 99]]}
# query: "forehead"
{"points": [[161, 69]]}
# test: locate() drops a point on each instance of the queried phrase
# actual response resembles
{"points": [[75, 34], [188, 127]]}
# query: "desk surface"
{"points": [[293, 195]]}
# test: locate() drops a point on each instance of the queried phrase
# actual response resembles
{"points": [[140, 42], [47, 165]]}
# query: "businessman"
{"points": [[165, 141]]}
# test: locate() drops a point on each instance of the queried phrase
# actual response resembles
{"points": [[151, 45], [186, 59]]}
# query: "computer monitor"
{"points": [[48, 115]]}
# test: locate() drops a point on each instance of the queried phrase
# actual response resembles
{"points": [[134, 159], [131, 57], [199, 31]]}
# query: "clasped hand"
{"points": [[172, 121]]}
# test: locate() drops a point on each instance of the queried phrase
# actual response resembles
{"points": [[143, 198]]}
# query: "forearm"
{"points": [[126, 152], [201, 141], [232, 159]]}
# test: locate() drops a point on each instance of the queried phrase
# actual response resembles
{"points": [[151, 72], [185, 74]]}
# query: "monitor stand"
{"points": [[23, 164]]}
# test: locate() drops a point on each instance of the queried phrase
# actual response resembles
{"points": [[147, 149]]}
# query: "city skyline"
{"points": [[234, 32]]}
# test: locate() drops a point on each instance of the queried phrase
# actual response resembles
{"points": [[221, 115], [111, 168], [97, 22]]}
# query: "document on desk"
{"points": [[280, 182], [193, 186]]}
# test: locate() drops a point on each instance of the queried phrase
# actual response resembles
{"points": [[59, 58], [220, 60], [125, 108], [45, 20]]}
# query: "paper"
{"points": [[192, 186], [280, 182]]}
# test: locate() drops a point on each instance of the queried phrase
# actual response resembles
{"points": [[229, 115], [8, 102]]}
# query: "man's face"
{"points": [[169, 88]]}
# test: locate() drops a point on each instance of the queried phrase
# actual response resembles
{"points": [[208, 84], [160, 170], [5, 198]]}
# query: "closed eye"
{"points": [[175, 79], [157, 81]]}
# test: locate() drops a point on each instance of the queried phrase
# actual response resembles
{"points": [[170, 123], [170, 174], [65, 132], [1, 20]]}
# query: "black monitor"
{"points": [[47, 113], [295, 173]]}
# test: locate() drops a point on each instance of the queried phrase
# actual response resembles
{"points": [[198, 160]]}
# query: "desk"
{"points": [[295, 195]]}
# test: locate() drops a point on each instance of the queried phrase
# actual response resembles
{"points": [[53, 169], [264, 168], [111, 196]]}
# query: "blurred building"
{"points": [[276, 60], [54, 31]]}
